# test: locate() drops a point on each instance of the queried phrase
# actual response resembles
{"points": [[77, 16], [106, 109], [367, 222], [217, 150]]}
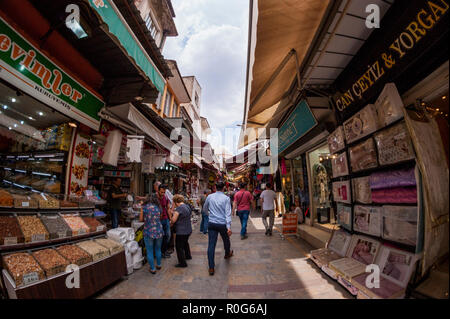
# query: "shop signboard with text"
{"points": [[300, 122], [24, 66]]}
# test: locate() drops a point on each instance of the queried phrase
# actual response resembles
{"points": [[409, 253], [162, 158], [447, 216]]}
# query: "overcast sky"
{"points": [[212, 45]]}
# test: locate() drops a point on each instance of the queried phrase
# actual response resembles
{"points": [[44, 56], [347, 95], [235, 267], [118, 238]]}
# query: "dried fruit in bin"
{"points": [[10, 230], [20, 265], [52, 262], [74, 254], [32, 228]]}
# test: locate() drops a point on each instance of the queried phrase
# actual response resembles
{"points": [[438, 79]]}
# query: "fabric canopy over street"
{"points": [[134, 118], [297, 23]]}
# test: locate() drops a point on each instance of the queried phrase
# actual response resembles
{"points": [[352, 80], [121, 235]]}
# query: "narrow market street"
{"points": [[262, 267]]}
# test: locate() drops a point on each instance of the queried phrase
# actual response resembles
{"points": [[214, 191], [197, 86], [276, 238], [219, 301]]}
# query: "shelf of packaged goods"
{"points": [[93, 277]]}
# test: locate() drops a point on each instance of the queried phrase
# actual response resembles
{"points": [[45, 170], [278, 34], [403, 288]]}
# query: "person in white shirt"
{"points": [[269, 203]]}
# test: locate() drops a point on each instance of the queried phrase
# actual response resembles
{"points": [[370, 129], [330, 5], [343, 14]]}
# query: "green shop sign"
{"points": [[31, 71], [119, 29], [300, 122]]}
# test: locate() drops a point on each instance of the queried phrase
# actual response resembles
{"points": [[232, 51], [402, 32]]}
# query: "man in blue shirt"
{"points": [[219, 206]]}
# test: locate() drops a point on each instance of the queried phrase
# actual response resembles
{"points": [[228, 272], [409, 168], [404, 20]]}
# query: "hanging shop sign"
{"points": [[32, 72], [300, 122], [128, 40], [409, 37]]}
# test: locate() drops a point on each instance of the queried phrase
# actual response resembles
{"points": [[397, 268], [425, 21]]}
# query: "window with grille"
{"points": [[167, 104], [151, 25], [175, 109]]}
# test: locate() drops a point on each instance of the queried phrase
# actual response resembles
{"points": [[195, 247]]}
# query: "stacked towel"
{"points": [[117, 235]]}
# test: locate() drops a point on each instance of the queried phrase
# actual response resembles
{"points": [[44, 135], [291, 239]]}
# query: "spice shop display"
{"points": [[23, 268], [113, 246], [367, 219], [344, 216], [361, 124], [24, 201], [76, 224], [74, 254], [341, 192], [394, 145], [46, 201], [96, 251], [52, 262], [32, 228], [94, 224], [361, 190], [56, 226], [6, 200], [336, 140], [400, 224], [10, 232], [67, 203], [389, 105], [363, 156], [339, 165]]}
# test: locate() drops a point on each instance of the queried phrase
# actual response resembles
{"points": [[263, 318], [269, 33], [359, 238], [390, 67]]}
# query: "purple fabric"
{"points": [[395, 195], [391, 179]]}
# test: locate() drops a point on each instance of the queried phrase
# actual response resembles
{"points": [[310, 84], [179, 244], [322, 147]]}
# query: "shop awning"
{"points": [[135, 119], [325, 36], [117, 26], [297, 23]]}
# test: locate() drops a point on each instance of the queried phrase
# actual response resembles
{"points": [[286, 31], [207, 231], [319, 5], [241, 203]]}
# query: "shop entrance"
{"points": [[320, 173]]}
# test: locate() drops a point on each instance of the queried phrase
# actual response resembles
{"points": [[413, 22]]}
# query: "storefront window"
{"points": [[34, 141], [321, 173]]}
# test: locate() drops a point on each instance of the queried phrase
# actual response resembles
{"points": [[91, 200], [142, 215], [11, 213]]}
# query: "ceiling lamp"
{"points": [[71, 124]]}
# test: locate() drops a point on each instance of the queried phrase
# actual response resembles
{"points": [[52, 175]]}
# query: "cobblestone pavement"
{"points": [[262, 267]]}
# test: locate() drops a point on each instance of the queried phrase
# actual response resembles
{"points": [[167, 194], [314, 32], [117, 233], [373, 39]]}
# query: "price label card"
{"points": [[100, 228], [81, 231], [62, 234], [38, 237], [25, 204], [30, 278], [10, 241]]}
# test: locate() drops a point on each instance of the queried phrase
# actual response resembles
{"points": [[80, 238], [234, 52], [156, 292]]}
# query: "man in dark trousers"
{"points": [[115, 196], [166, 215], [219, 206]]}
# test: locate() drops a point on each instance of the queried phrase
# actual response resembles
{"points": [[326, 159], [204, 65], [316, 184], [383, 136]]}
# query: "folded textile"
{"points": [[117, 235], [361, 190], [361, 124], [131, 247], [363, 156], [394, 145], [395, 195], [391, 179], [336, 140], [129, 232]]}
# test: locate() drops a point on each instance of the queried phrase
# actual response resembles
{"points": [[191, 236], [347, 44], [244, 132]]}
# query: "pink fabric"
{"points": [[243, 199], [395, 195]]}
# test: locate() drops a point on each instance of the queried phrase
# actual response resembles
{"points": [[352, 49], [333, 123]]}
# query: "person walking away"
{"points": [[241, 206], [219, 207], [115, 196], [269, 203], [205, 214], [181, 219], [153, 231], [165, 219]]}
